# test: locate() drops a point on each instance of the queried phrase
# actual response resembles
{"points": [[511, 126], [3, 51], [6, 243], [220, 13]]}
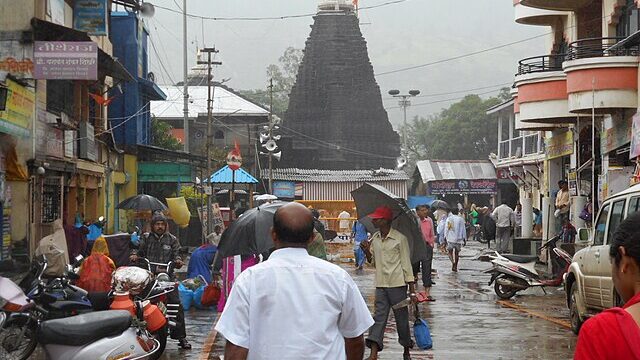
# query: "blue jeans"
{"points": [[359, 255]]}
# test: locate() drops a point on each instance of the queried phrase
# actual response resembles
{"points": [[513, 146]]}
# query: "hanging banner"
{"points": [[617, 135], [65, 60], [446, 187], [560, 145], [17, 116], [90, 16], [635, 137], [284, 189]]}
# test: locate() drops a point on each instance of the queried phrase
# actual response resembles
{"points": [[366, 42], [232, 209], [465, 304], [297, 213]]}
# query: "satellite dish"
{"points": [[147, 10], [270, 145], [278, 155]]}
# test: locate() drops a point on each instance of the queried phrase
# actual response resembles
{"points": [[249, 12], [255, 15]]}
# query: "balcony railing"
{"points": [[599, 47], [531, 144], [516, 147], [504, 150], [541, 64]]}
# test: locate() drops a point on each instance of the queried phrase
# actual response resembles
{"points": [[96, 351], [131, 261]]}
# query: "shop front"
{"points": [[16, 111]]}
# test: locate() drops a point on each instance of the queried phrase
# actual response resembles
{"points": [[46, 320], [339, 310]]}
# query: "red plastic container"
{"points": [[154, 318], [122, 301]]}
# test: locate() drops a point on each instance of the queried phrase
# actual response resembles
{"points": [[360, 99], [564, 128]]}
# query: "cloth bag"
{"points": [[210, 295]]}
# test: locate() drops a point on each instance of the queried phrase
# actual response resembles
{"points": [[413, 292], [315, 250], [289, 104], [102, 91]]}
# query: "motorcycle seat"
{"points": [[84, 329], [522, 259]]}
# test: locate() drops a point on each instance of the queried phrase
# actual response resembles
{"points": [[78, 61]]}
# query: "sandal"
{"points": [[430, 298]]}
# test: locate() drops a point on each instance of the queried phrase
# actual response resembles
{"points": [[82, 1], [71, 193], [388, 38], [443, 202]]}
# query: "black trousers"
{"points": [[385, 299], [175, 313], [425, 264]]}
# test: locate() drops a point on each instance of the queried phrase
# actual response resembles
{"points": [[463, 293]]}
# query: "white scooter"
{"points": [[512, 273], [111, 334]]}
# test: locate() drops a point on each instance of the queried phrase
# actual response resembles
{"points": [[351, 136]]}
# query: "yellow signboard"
{"points": [[560, 145], [18, 113]]}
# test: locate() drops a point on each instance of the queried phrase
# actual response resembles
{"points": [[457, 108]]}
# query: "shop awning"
{"points": [[107, 65], [151, 90], [226, 176], [161, 172]]}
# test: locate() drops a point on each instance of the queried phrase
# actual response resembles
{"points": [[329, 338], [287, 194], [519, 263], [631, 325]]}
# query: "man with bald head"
{"points": [[294, 306]]}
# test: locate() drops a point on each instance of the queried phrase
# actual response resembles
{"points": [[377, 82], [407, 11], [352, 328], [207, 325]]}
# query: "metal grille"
{"points": [[51, 199]]}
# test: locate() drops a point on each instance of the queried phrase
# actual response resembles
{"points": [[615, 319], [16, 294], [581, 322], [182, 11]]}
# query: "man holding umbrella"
{"points": [[389, 251]]}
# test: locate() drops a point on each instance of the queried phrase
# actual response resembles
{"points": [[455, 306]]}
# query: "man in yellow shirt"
{"points": [[563, 203], [389, 251]]}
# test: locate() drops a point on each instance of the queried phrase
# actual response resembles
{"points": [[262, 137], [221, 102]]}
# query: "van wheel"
{"points": [[574, 312]]}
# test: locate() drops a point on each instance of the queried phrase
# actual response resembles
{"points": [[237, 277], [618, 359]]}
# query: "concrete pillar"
{"points": [[577, 204], [548, 220], [527, 216]]}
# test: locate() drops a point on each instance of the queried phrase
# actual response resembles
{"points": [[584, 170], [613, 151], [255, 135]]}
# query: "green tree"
{"points": [[461, 132], [284, 77], [161, 135]]}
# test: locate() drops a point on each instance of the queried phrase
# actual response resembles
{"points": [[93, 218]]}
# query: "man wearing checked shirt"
{"points": [[389, 251]]}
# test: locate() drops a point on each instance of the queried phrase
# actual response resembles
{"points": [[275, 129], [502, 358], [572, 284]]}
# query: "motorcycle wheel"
{"points": [[504, 292], [160, 335], [13, 348], [574, 313]]}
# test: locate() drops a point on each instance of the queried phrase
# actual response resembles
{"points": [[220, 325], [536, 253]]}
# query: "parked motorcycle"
{"points": [[149, 282], [112, 334], [512, 273]]}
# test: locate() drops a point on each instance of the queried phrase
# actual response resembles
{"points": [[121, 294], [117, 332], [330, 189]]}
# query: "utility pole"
{"points": [[210, 93], [271, 135], [185, 77]]}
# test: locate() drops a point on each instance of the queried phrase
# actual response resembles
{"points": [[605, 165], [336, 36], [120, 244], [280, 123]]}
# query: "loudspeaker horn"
{"points": [[277, 155], [263, 137], [276, 137], [270, 145], [401, 162]]}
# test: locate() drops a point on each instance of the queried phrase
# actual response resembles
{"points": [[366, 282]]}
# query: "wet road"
{"points": [[467, 321]]}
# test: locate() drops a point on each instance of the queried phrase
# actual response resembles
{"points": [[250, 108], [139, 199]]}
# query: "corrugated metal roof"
{"points": [[225, 102], [315, 175], [431, 170], [225, 176]]}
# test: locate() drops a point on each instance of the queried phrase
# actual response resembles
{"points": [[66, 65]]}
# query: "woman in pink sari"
{"points": [[232, 267], [615, 333]]}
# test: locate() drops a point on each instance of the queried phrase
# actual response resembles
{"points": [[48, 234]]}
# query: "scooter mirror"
{"points": [[584, 235]]}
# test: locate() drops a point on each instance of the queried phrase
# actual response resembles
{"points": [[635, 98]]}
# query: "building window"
{"points": [[60, 97], [51, 200], [629, 19], [219, 134]]}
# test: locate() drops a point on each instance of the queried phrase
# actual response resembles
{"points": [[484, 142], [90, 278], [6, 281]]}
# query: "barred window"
{"points": [[51, 200]]}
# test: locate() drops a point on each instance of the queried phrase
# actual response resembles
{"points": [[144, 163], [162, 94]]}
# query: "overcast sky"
{"points": [[400, 35]]}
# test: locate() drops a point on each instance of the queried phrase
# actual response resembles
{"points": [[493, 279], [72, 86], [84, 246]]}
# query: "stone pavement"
{"points": [[467, 321]]}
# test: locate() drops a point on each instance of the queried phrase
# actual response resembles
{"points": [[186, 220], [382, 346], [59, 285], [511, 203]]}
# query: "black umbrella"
{"points": [[142, 202], [369, 196], [439, 204], [250, 233]]}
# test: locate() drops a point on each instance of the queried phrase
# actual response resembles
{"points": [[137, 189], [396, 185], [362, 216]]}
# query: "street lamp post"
{"points": [[404, 102]]}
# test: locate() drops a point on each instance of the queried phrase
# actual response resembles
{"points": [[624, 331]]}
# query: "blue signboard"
{"points": [[90, 16], [284, 189]]}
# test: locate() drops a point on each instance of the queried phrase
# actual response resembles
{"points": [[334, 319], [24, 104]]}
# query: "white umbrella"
{"points": [[266, 197]]}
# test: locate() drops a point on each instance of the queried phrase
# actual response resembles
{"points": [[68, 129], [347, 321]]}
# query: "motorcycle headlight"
{"points": [[163, 277]]}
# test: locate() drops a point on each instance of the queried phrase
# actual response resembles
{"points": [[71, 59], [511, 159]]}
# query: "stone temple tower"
{"points": [[335, 119]]}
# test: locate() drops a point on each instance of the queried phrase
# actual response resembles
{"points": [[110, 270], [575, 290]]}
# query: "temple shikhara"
{"points": [[335, 115]]}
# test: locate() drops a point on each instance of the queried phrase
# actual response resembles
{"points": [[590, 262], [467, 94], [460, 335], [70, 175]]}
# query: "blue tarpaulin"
{"points": [[414, 201], [225, 176]]}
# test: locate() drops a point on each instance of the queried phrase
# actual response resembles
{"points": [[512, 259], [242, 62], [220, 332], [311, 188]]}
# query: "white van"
{"points": [[588, 282]]}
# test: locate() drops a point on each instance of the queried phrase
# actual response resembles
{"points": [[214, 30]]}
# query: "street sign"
{"points": [[234, 158], [207, 190]]}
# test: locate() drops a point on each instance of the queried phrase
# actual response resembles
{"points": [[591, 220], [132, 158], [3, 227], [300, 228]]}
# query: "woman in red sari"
{"points": [[615, 333]]}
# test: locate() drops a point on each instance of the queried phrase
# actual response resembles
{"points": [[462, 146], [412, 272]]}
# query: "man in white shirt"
{"points": [[455, 235], [505, 221], [294, 306], [345, 224]]}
